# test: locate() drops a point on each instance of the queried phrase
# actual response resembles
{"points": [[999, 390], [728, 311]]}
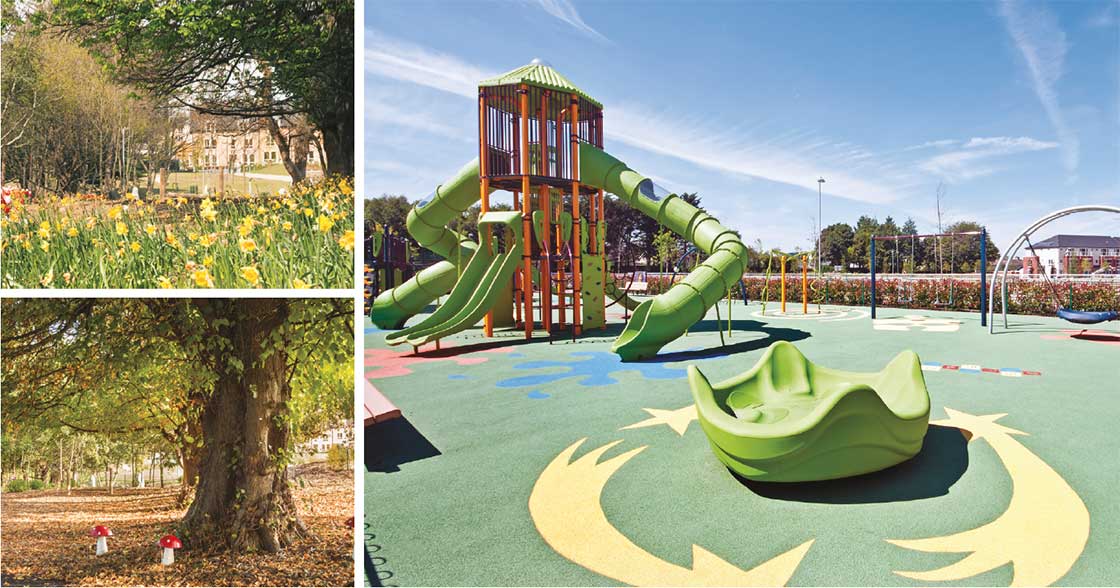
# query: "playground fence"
{"points": [[929, 292]]}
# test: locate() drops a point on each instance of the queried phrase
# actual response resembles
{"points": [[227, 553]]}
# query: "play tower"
{"points": [[541, 267], [531, 122]]}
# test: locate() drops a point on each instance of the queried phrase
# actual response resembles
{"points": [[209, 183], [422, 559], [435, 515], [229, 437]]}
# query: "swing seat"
{"points": [[1086, 317], [789, 420]]}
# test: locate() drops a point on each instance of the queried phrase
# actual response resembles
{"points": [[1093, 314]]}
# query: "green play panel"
{"points": [[553, 463]]}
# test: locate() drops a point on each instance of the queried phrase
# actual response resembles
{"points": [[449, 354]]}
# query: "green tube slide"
{"points": [[427, 224], [482, 283], [665, 317]]}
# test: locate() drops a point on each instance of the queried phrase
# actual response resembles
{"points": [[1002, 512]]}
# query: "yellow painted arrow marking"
{"points": [[1042, 532], [566, 509], [677, 420]]}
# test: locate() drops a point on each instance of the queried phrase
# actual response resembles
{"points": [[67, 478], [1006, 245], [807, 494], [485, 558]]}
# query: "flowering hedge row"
{"points": [[1024, 296]]}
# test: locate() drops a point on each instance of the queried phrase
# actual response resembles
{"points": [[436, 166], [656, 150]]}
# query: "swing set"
{"points": [[896, 265], [805, 286]]}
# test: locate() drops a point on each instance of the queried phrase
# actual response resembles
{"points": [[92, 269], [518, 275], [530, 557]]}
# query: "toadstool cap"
{"points": [[100, 531], [170, 542]]}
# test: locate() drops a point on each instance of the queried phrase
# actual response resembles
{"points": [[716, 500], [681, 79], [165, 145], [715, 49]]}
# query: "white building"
{"points": [[342, 435], [1073, 254]]}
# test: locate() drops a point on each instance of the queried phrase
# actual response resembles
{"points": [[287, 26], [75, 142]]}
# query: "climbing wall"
{"points": [[594, 316]]}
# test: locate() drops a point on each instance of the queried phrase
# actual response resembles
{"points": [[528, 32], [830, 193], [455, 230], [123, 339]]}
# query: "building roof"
{"points": [[539, 74], [1079, 241]]}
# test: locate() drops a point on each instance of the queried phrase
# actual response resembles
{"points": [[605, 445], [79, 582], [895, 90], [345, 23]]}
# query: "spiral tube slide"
{"points": [[665, 317], [427, 224]]}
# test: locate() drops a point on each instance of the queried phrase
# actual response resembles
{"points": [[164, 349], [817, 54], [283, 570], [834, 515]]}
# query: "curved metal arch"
{"points": [[1013, 248]]}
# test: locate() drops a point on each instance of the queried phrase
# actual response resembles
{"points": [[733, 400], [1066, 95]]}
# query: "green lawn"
{"points": [[183, 181]]}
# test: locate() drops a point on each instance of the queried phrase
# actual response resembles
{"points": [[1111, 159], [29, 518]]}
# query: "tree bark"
{"points": [[293, 147], [243, 501], [338, 143]]}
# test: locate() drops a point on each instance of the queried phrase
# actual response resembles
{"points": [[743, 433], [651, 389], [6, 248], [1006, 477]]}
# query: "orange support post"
{"points": [[518, 276], [526, 211], [603, 253], [546, 261], [804, 286], [577, 318], [560, 268], [484, 192]]}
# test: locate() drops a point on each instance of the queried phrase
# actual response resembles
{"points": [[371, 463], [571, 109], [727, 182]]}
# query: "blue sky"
{"points": [[1015, 106]]}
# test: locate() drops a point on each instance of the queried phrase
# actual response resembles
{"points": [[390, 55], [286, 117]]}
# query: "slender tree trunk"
{"points": [[243, 500], [293, 147]]}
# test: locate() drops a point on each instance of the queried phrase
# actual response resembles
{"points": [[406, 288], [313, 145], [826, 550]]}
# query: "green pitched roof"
{"points": [[538, 74]]}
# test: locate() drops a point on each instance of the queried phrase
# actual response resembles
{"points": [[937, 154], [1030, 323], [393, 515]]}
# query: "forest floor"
{"points": [[45, 539]]}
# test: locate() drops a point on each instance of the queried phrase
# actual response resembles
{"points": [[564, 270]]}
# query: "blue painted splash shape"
{"points": [[372, 330], [457, 377], [537, 394], [596, 370], [515, 354]]}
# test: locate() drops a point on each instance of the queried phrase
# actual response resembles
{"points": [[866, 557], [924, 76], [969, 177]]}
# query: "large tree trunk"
{"points": [[243, 500]]}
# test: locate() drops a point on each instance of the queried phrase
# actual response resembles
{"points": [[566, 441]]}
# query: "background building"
{"points": [[1073, 254]]}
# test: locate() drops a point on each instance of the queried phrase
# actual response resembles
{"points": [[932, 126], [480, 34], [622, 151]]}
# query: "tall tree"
{"points": [[258, 60], [98, 365]]}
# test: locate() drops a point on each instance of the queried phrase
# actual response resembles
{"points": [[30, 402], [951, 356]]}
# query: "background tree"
{"points": [[835, 241], [255, 60]]}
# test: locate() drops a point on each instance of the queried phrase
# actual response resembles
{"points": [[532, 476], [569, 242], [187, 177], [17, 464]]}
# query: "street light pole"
{"points": [[820, 226]]}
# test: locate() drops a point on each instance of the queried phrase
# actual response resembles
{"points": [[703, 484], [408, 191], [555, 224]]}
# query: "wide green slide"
{"points": [[427, 224], [662, 319], [789, 420], [483, 280]]}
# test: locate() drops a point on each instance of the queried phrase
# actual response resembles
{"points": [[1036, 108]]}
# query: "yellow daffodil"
{"points": [[115, 213], [150, 229], [287, 226], [208, 260], [73, 232], [325, 223], [300, 284], [172, 240], [122, 229], [251, 275], [308, 212], [134, 246], [247, 245], [202, 278], [45, 245], [347, 241], [47, 279], [164, 283]]}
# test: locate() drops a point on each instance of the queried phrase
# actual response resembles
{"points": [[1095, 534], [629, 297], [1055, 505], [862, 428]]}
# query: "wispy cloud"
{"points": [[566, 11], [796, 157], [1106, 17], [382, 113], [1043, 46], [399, 60], [932, 145], [974, 158]]}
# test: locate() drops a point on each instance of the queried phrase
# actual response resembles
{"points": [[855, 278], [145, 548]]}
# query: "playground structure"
{"points": [[387, 261], [540, 139], [1024, 237], [914, 240]]}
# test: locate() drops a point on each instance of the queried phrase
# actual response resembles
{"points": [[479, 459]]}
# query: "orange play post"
{"points": [[577, 318], [526, 212], [783, 284], [804, 286], [484, 194]]}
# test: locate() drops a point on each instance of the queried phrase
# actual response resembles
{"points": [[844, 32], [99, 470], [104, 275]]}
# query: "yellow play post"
{"points": [[783, 284], [804, 285]]}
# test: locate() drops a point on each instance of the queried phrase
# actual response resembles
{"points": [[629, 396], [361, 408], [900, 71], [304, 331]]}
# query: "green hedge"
{"points": [[1024, 296]]}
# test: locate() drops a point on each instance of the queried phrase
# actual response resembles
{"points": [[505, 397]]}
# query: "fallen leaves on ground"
{"points": [[46, 539]]}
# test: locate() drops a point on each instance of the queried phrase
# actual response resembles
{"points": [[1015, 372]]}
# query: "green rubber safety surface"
{"points": [[470, 487]]}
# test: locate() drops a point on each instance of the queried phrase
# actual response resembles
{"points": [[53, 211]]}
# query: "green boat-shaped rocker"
{"points": [[788, 420]]}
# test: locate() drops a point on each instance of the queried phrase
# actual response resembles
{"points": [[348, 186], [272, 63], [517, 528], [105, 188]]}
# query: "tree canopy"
{"points": [[262, 60]]}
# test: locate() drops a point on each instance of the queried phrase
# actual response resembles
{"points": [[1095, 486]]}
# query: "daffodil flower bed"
{"points": [[300, 239]]}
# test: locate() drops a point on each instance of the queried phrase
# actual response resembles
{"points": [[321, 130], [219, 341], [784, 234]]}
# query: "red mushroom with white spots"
{"points": [[169, 543], [102, 533]]}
